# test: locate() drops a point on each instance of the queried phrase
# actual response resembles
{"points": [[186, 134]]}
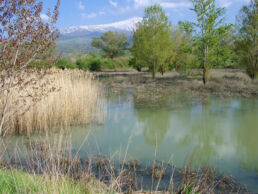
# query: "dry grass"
{"points": [[61, 99]]}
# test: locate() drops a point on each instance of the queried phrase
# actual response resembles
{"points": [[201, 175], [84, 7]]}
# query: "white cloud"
{"points": [[113, 3], [102, 12], [175, 4], [81, 6], [143, 3], [227, 3], [91, 15], [44, 16], [164, 3]]}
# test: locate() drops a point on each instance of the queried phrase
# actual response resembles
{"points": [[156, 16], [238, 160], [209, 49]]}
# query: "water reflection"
{"points": [[155, 124], [216, 132]]}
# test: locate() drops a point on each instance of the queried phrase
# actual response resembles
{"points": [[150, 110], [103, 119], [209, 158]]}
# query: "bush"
{"points": [[82, 64], [65, 64], [94, 63], [132, 63], [109, 64], [121, 62], [252, 71]]}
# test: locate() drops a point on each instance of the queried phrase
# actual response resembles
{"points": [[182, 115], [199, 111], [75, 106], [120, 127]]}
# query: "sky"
{"points": [[92, 12]]}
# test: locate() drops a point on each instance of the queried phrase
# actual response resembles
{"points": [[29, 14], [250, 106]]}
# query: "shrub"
{"points": [[132, 63], [82, 64], [109, 64], [94, 63], [65, 64], [252, 71], [121, 62]]}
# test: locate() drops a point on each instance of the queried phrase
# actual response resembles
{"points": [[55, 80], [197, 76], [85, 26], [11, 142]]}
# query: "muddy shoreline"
{"points": [[224, 83], [131, 175]]}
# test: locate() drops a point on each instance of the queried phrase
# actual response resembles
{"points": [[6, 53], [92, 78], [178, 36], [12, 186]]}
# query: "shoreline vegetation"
{"points": [[224, 83], [70, 92], [50, 165]]}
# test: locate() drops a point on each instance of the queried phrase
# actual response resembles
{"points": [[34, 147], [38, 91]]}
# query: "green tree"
{"points": [[247, 41], [209, 22], [137, 50], [152, 40], [111, 43], [224, 51], [182, 49]]}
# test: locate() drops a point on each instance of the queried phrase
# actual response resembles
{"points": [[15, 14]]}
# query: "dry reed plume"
{"points": [[60, 99]]}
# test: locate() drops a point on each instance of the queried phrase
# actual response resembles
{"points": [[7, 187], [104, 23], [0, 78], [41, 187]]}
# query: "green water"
{"points": [[221, 133]]}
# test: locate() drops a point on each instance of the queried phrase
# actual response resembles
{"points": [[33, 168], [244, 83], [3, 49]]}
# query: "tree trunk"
{"points": [[153, 70], [206, 69], [206, 75], [153, 74]]}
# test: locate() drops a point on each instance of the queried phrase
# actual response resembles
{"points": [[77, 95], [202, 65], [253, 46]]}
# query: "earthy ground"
{"points": [[223, 83]]}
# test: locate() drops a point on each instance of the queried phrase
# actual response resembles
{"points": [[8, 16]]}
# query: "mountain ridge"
{"points": [[126, 25]]}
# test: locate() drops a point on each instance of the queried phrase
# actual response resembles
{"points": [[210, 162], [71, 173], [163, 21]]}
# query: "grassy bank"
{"points": [[16, 181], [60, 99]]}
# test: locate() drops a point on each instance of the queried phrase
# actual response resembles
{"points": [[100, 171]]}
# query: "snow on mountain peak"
{"points": [[126, 25]]}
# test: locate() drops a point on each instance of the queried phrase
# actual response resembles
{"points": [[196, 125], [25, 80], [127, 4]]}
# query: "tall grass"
{"points": [[72, 100]]}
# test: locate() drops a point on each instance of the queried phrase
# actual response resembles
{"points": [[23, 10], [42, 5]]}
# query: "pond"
{"points": [[215, 132], [221, 133]]}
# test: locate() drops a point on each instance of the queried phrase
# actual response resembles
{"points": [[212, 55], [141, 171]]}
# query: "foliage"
{"points": [[94, 63], [247, 41], [152, 41], [208, 33], [137, 50], [121, 62], [81, 63], [24, 39], [65, 64], [109, 64], [134, 63], [183, 57], [111, 43]]}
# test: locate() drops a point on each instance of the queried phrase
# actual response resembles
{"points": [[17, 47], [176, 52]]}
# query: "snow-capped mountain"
{"points": [[125, 26], [79, 38]]}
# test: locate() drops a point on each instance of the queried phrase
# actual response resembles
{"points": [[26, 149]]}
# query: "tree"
{"points": [[208, 23], [182, 49], [152, 40], [111, 43], [137, 50], [25, 39], [224, 51], [247, 41]]}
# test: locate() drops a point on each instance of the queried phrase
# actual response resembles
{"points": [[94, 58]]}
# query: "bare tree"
{"points": [[26, 49]]}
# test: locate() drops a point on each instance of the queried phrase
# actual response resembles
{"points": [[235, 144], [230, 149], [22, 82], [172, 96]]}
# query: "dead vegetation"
{"points": [[68, 97], [53, 158], [223, 83]]}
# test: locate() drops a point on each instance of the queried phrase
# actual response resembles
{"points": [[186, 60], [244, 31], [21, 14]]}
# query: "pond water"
{"points": [[221, 133]]}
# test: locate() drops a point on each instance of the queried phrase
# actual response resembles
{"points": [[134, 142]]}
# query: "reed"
{"points": [[62, 99]]}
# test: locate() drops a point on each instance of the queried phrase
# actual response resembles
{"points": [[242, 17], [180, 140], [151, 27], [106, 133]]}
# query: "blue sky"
{"points": [[90, 12]]}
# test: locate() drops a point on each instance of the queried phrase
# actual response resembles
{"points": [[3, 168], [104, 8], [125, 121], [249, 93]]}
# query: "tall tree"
{"points": [[111, 43], [137, 49], [25, 39], [182, 49], [209, 21], [153, 39], [247, 41]]}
